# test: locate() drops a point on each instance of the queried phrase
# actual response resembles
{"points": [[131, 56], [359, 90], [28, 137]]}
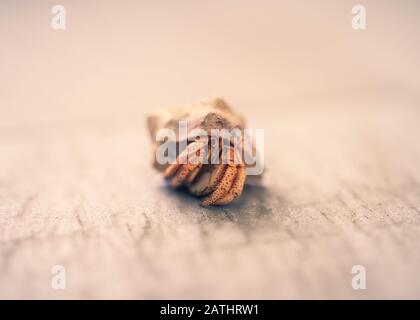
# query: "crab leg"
{"points": [[183, 173], [173, 168], [236, 189], [223, 187], [189, 171], [191, 177], [216, 176], [226, 181], [230, 186]]}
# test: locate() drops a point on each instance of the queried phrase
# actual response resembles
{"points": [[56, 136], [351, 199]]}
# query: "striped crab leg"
{"points": [[181, 171], [230, 185]]}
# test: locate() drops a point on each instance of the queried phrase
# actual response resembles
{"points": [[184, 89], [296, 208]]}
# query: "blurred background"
{"points": [[340, 109], [116, 58]]}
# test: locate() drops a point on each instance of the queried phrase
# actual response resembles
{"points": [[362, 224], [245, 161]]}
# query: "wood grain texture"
{"points": [[340, 110], [343, 190]]}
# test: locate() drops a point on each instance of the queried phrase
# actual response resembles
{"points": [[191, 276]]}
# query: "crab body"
{"points": [[220, 182]]}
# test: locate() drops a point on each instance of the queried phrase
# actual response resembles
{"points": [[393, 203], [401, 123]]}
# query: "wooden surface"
{"points": [[342, 155]]}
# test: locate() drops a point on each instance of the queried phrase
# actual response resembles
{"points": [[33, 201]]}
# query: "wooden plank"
{"points": [[337, 193], [340, 112]]}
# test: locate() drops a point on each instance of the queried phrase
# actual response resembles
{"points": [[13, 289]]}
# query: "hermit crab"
{"points": [[202, 147]]}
